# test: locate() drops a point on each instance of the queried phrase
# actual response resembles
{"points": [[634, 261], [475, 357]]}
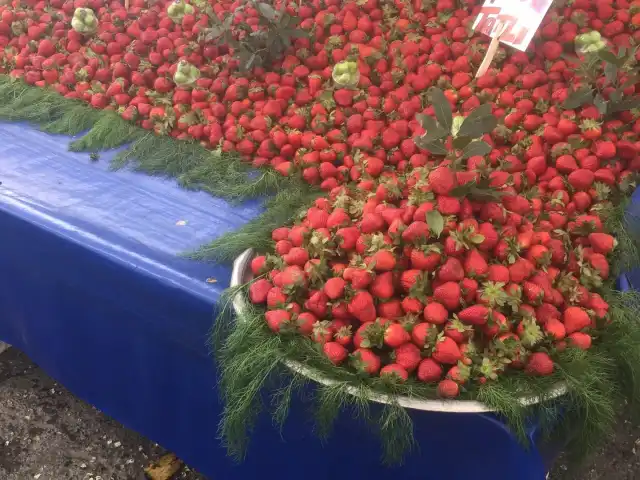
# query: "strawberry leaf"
{"points": [[578, 98], [426, 122], [600, 103], [610, 58], [435, 222], [434, 134], [442, 109], [479, 122], [475, 148], [625, 104], [460, 143], [435, 147]]}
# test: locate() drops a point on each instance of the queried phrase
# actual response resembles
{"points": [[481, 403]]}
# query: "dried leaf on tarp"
{"points": [[165, 468]]}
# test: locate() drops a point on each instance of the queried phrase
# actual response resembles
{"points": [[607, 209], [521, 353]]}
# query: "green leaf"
{"points": [[609, 57], [477, 147], [267, 11], [578, 98], [426, 122], [461, 142], [475, 126], [442, 108], [611, 72], [434, 134], [435, 222], [436, 147], [628, 103], [600, 103]]}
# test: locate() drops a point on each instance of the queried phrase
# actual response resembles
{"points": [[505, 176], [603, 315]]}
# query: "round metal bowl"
{"points": [[241, 274]]}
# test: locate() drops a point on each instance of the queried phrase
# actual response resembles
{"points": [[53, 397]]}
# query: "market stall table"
{"points": [[93, 289]]}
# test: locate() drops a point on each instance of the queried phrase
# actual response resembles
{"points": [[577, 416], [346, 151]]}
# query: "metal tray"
{"points": [[241, 274]]}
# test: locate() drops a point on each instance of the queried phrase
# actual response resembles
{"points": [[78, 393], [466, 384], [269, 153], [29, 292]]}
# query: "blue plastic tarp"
{"points": [[92, 288]]}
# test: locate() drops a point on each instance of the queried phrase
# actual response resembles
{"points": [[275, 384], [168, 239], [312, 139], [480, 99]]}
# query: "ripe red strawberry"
{"points": [[539, 364], [435, 313], [362, 307], [382, 286], [416, 231], [555, 327], [296, 256], [408, 356], [365, 361], [335, 352], [580, 340], [259, 290], [602, 242], [429, 371], [451, 270], [581, 179], [278, 320], [575, 319], [474, 315], [449, 295], [442, 180], [305, 323], [395, 335], [425, 261], [334, 288], [424, 334], [371, 223], [475, 265], [395, 371], [258, 265], [448, 389], [446, 351], [520, 270], [383, 261]]}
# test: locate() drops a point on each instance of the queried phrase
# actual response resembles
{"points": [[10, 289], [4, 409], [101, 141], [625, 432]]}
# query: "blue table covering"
{"points": [[93, 290]]}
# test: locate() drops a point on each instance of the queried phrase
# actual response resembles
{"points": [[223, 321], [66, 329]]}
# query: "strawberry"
{"points": [[416, 231], [334, 288], [259, 265], [383, 261], [442, 180], [602, 242], [474, 315], [424, 334], [555, 327], [365, 361], [451, 271], [446, 351], [259, 290], [429, 371], [395, 372], [581, 179], [449, 295], [580, 340], [382, 286], [448, 389], [435, 313], [407, 356], [362, 307], [475, 265], [395, 335], [575, 319], [539, 364], [335, 352], [278, 320]]}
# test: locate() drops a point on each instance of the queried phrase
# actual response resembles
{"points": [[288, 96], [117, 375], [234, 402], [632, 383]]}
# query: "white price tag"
{"points": [[518, 20]]}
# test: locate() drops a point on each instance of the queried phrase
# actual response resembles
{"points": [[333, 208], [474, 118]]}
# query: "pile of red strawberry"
{"points": [[291, 116], [449, 263], [402, 274]]}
